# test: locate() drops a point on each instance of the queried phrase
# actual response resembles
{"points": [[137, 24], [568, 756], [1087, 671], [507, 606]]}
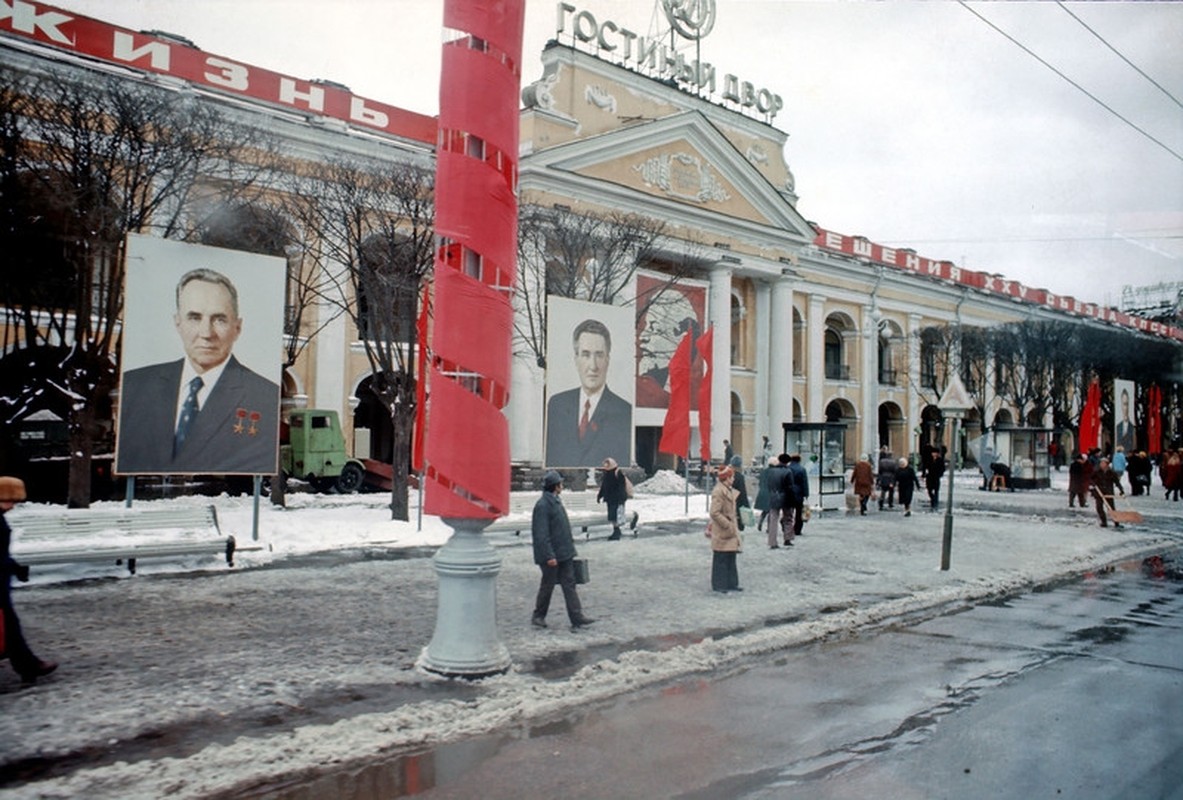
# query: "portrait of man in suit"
{"points": [[205, 412], [589, 423], [1125, 426]]}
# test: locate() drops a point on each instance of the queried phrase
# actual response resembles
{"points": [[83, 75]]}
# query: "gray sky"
{"points": [[913, 124]]}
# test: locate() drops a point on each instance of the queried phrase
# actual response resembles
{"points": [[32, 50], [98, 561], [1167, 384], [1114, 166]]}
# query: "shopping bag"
{"points": [[747, 516], [628, 488], [582, 574]]}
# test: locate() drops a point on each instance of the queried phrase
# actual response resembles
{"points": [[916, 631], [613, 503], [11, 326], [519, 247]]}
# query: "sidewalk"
{"points": [[195, 683]]}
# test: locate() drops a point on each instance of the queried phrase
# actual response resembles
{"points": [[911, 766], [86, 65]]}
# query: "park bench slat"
{"points": [[39, 538]]}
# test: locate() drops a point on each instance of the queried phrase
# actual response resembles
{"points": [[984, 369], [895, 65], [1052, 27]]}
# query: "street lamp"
{"points": [[955, 403]]}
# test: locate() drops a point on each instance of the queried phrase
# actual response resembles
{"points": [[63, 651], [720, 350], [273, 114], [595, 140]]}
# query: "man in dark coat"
{"points": [[773, 484], [932, 478], [1104, 481], [15, 649], [1078, 480], [800, 493], [554, 553], [886, 466], [205, 412], [590, 423]]}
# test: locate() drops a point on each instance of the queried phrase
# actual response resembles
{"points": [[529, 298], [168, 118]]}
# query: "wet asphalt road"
{"points": [[1072, 691]]}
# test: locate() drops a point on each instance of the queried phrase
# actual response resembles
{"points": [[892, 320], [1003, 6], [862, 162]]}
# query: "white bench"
{"points": [[127, 535], [583, 511]]}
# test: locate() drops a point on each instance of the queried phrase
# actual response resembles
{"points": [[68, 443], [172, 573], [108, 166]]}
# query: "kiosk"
{"points": [[822, 446], [1024, 450]]}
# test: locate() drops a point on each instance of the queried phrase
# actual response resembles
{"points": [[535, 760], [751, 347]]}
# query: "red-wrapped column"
{"points": [[467, 443]]}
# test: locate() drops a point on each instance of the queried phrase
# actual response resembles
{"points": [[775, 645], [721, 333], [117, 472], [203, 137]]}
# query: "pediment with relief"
{"points": [[681, 158]]}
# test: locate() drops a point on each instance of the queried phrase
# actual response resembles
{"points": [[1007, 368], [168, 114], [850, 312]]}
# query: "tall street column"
{"points": [[780, 388], [869, 372], [467, 443], [816, 344], [720, 290], [913, 381], [763, 363]]}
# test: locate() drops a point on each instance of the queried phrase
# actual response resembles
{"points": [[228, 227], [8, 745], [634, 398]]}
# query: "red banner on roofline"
{"points": [[160, 55], [908, 261]]}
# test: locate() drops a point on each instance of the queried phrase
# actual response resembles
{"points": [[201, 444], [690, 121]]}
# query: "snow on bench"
{"points": [[123, 535]]}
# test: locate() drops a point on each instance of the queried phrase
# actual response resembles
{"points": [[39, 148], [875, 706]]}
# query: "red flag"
{"points": [[705, 344], [1154, 420], [1090, 419], [421, 382], [675, 430]]}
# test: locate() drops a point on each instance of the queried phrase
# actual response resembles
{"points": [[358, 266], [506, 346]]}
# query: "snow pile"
{"points": [[666, 481]]}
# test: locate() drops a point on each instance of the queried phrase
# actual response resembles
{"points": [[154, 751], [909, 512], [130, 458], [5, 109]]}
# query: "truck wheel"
{"points": [[351, 478]]}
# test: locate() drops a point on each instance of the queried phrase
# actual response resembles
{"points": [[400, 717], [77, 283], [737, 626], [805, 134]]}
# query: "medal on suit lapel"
{"points": [[254, 428], [239, 425]]}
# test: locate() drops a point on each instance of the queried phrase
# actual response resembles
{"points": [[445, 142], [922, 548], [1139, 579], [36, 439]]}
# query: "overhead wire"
{"points": [[1076, 85], [1120, 55]]}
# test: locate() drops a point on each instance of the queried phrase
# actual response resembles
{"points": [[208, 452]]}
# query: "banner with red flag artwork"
{"points": [[1090, 419], [675, 430], [705, 344], [1154, 420]]}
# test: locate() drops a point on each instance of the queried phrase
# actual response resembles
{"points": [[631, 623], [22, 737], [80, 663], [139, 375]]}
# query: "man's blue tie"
{"points": [[188, 412]]}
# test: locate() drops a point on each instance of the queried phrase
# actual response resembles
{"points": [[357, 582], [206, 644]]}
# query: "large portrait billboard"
{"points": [[200, 367], [665, 311], [1125, 433], [589, 383]]}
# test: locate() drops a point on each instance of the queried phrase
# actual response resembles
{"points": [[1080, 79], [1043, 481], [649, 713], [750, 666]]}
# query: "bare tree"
{"points": [[86, 161], [591, 257], [374, 224]]}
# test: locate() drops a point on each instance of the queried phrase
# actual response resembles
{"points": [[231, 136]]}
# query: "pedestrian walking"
{"points": [[728, 452], [800, 494], [12, 643], [1119, 464], [887, 467], [765, 451], [932, 477], [773, 481], [862, 478], [1139, 470], [1104, 480], [554, 553], [905, 484], [1171, 473], [724, 533], [1078, 483], [761, 503], [614, 492]]}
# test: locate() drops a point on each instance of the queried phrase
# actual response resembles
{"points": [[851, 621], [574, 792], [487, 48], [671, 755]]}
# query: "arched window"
{"points": [[835, 369]]}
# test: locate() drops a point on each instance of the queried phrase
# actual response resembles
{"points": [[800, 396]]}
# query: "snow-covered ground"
{"points": [[314, 665]]}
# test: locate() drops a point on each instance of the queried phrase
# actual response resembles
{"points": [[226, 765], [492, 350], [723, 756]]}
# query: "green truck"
{"points": [[312, 448]]}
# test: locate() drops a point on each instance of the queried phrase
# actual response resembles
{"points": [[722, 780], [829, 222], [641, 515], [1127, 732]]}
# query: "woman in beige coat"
{"points": [[725, 541]]}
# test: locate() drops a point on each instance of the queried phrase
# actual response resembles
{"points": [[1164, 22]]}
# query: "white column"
{"points": [[763, 363], [815, 342], [870, 381], [780, 388], [720, 319], [913, 381]]}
